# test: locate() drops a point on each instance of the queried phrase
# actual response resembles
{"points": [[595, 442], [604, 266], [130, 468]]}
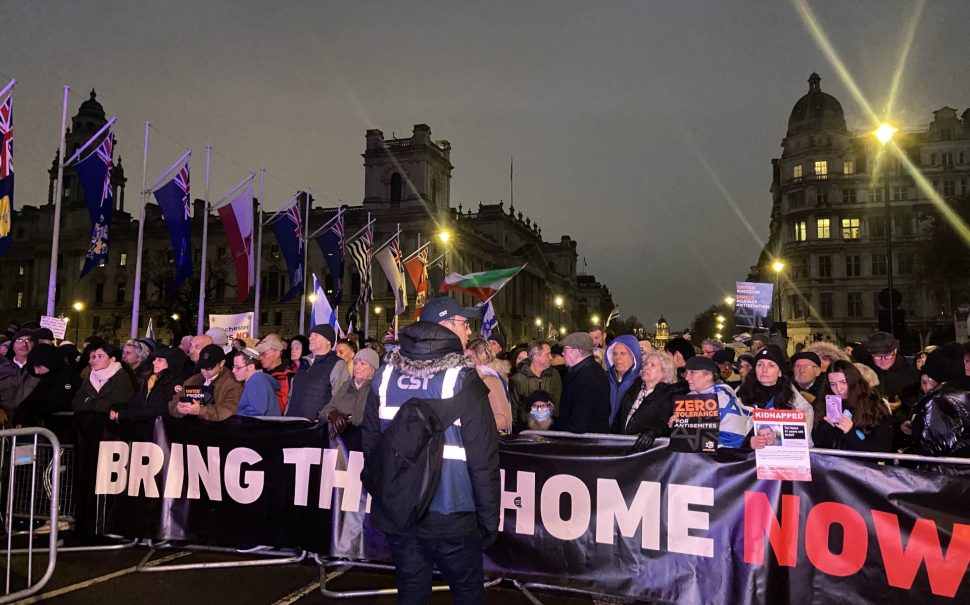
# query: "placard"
{"points": [[696, 425]]}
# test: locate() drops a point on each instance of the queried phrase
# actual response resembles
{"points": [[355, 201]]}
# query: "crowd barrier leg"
{"points": [[23, 464], [270, 557], [348, 565]]}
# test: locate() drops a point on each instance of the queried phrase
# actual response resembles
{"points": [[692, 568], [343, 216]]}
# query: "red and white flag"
{"points": [[237, 219]]}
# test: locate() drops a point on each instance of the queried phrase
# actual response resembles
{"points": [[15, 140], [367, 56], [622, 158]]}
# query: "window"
{"points": [[123, 261], [795, 304], [396, 187], [904, 263], [99, 293], [878, 264], [96, 323], [949, 188], [824, 228], [877, 227], [120, 294], [848, 168], [796, 172], [851, 228], [263, 317], [825, 266], [822, 169], [853, 265], [826, 305], [796, 199], [821, 197], [900, 193], [20, 300], [946, 158], [799, 231], [848, 196], [220, 289], [20, 270], [853, 303], [946, 134], [875, 195], [221, 253], [278, 318], [904, 224], [932, 159], [800, 268]]}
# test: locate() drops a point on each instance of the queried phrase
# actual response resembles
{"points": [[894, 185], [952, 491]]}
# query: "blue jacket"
{"points": [[618, 388], [259, 396]]}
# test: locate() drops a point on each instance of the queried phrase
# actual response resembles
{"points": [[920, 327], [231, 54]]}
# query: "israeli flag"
{"points": [[489, 321], [320, 312]]}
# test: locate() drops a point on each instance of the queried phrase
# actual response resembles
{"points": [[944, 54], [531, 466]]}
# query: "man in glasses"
{"points": [[16, 380], [898, 381]]}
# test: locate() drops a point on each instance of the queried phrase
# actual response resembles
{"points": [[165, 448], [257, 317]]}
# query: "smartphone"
{"points": [[833, 408]]}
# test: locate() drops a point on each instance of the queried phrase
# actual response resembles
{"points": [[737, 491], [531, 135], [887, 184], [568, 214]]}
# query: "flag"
{"points": [[331, 244], [417, 269], [489, 321], [390, 335], [289, 233], [173, 199], [614, 314], [389, 258], [237, 219], [6, 174], [360, 250], [321, 312], [94, 173], [150, 330], [481, 285], [351, 318]]}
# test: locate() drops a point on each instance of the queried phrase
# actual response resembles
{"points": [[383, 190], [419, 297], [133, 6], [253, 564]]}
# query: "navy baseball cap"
{"points": [[443, 307]]}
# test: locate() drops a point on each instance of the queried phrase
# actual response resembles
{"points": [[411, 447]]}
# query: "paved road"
{"points": [[83, 578]]}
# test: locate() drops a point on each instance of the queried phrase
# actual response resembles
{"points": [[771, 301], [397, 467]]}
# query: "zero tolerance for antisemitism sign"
{"points": [[580, 513], [752, 304]]}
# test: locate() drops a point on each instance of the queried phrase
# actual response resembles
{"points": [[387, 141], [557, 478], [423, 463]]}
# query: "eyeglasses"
{"points": [[24, 341], [885, 356], [461, 321]]}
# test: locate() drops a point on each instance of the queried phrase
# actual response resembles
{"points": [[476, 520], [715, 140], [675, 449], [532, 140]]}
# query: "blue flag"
{"points": [[489, 321], [289, 233], [173, 199], [94, 173], [321, 312], [331, 244], [6, 174]]}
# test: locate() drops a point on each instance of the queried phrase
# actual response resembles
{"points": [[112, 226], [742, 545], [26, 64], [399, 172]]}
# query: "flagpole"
{"points": [[403, 283], [367, 298], [7, 88], [259, 252], [90, 141], [136, 299], [421, 248], [306, 249], [178, 164], [327, 224], [205, 242], [283, 209], [58, 194]]}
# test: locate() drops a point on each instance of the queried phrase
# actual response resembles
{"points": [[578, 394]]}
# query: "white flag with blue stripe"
{"points": [[320, 312], [489, 321]]}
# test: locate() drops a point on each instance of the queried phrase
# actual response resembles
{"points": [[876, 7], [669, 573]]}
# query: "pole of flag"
{"points": [[306, 248], [200, 326], [367, 298], [136, 299], [7, 88], [259, 252], [58, 194]]}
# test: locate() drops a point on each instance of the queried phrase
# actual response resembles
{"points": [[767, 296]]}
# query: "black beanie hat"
{"points": [[772, 353], [45, 355]]}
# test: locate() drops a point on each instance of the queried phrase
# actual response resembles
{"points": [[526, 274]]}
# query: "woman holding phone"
{"points": [[864, 422]]}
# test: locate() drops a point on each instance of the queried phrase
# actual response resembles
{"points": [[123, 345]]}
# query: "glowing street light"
{"points": [[729, 300], [312, 298], [175, 316], [560, 301], [78, 307], [595, 319], [444, 236], [777, 266], [885, 133]]}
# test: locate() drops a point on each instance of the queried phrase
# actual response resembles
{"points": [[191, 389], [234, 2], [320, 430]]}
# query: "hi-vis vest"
{"points": [[454, 493]]}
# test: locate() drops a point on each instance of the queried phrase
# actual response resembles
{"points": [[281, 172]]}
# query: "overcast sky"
{"points": [[645, 130]]}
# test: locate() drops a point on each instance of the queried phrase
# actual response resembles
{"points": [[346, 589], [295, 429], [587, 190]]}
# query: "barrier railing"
{"points": [[23, 468]]}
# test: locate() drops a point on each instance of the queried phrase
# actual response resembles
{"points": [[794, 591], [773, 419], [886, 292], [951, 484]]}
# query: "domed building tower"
{"points": [[662, 335]]}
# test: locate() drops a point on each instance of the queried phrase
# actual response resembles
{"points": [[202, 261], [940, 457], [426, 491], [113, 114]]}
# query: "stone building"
{"points": [[407, 183], [829, 223]]}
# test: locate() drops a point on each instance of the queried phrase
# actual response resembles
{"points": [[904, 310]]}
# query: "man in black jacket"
{"points": [[463, 516], [314, 385], [585, 403]]}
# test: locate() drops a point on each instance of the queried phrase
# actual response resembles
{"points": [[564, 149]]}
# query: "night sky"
{"points": [[645, 130]]}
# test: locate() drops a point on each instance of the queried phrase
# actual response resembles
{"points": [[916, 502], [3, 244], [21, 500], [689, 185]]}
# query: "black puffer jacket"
{"points": [[148, 404], [54, 390], [941, 425], [654, 411]]}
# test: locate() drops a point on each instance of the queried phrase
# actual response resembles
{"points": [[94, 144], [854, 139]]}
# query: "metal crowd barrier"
{"points": [[33, 483]]}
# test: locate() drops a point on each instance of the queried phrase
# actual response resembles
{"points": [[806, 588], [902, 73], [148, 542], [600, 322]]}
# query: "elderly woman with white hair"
{"points": [[649, 402]]}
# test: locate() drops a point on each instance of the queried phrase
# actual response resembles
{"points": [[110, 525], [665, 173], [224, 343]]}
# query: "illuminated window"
{"points": [[796, 171], [851, 228], [799, 231], [822, 169], [848, 168], [124, 259], [824, 228], [20, 270], [20, 300]]}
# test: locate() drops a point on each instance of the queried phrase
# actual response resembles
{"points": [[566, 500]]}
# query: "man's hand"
{"points": [[188, 408]]}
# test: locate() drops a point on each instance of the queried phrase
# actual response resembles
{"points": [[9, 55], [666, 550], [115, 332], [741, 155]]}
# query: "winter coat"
{"points": [[585, 403], [221, 403], [350, 400], [900, 381], [284, 376], [619, 386], [524, 383], [653, 412], [313, 387], [879, 439], [15, 384], [498, 398], [259, 396], [116, 392], [150, 403], [53, 393]]}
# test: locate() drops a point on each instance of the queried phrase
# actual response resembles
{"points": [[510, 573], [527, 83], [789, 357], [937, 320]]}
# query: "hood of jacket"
{"points": [[618, 387], [426, 341]]}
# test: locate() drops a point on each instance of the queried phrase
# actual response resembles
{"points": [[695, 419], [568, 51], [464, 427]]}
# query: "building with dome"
{"points": [[662, 335], [829, 226]]}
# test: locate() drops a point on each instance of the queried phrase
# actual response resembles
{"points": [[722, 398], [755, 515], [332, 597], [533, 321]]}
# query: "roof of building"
{"points": [[816, 110]]}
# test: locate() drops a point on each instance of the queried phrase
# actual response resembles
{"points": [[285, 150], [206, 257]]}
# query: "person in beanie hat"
{"points": [[725, 361], [703, 378], [808, 376], [346, 408], [313, 385], [769, 387], [464, 512]]}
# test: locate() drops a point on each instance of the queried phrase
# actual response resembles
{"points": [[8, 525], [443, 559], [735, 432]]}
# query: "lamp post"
{"points": [[559, 301], [444, 236], [377, 314], [538, 325], [885, 134], [78, 307], [777, 266]]}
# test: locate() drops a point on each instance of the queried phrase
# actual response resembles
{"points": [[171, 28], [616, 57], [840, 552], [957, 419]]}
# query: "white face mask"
{"points": [[540, 414]]}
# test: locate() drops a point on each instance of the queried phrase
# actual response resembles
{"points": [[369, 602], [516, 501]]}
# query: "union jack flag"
{"points": [[294, 215], [104, 151], [182, 182], [338, 230], [6, 138]]}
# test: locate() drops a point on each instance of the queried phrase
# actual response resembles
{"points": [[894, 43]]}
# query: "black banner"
{"points": [[580, 513]]}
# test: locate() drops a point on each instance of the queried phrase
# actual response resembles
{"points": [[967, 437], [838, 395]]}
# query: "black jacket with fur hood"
{"points": [[428, 349]]}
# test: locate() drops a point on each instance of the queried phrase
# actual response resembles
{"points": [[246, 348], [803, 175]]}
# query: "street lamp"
{"points": [[559, 301], [729, 300], [377, 313], [595, 319], [885, 134], [777, 266], [175, 317], [444, 236], [538, 323], [78, 307]]}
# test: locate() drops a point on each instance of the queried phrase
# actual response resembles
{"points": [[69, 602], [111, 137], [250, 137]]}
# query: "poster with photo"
{"points": [[785, 455]]}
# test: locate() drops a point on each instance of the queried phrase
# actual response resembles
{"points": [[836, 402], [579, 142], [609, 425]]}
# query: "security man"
{"points": [[463, 517]]}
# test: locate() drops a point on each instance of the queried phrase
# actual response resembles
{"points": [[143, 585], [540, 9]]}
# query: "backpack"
{"points": [[403, 472]]}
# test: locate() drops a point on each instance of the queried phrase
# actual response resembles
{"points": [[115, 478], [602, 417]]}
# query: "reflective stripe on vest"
{"points": [[386, 412]]}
